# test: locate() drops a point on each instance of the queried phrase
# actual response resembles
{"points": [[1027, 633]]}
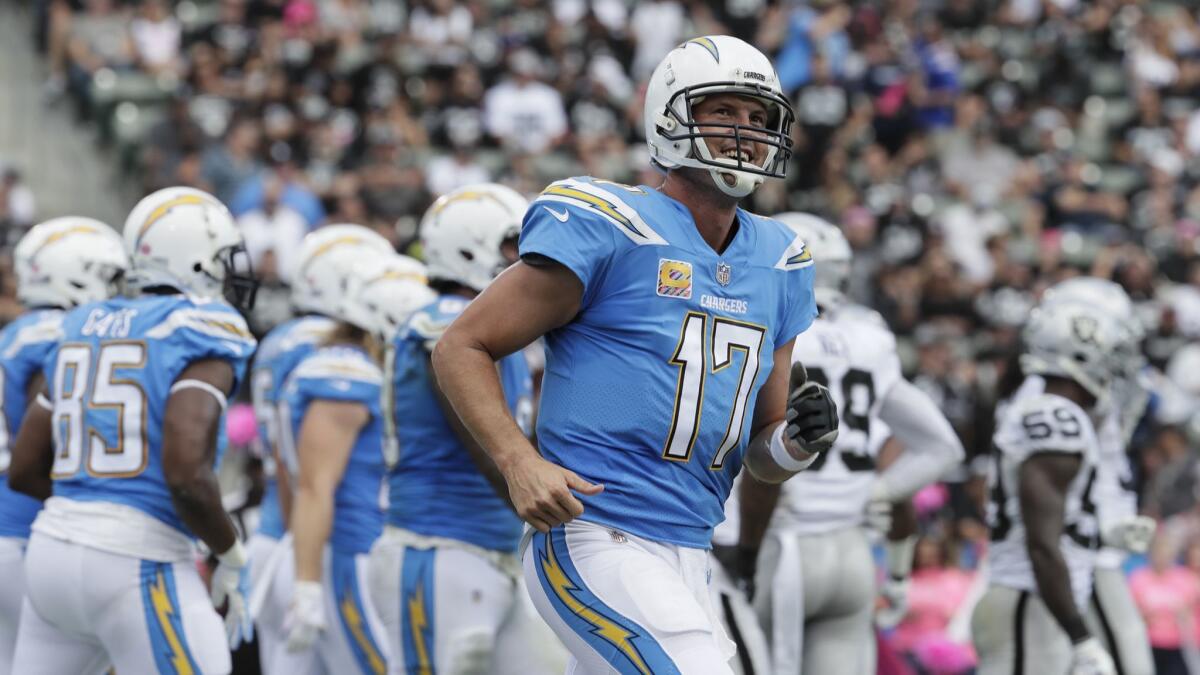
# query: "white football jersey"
{"points": [[1114, 492], [854, 354], [1034, 422]]}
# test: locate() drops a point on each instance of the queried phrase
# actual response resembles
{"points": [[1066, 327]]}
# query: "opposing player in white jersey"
{"points": [[332, 446], [1112, 615], [816, 576], [122, 445], [1042, 512], [326, 257], [60, 264]]}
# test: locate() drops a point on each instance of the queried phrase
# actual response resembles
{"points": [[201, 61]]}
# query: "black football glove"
{"points": [[812, 417], [741, 564]]}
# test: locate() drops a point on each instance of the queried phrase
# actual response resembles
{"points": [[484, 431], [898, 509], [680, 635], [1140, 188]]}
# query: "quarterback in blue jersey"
{"points": [[122, 446], [59, 264], [325, 257], [669, 316], [332, 445], [445, 569]]}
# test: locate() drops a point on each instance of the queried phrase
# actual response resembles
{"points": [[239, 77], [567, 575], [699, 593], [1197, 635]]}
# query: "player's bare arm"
{"points": [[33, 450], [327, 437], [478, 455], [524, 302], [1044, 481], [190, 426]]}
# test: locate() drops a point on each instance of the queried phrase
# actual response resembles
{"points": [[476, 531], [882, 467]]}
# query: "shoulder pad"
{"points": [[339, 363], [44, 328], [795, 255], [215, 320], [598, 200]]}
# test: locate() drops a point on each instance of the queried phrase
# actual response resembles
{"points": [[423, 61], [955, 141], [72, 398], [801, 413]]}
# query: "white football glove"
{"points": [[1089, 658], [895, 592], [306, 616], [1132, 534], [231, 583]]}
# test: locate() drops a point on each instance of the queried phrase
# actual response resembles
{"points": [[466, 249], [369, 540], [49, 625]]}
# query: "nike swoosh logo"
{"points": [[560, 216]]}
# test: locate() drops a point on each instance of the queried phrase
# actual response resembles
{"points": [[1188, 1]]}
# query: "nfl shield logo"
{"points": [[723, 273]]}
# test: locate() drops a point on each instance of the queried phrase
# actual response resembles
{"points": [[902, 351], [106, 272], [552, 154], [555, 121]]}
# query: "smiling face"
{"points": [[729, 109]]}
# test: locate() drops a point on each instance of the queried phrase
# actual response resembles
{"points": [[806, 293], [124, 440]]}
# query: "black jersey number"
{"points": [[858, 397]]}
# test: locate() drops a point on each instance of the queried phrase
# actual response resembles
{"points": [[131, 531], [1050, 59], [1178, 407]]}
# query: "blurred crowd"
{"points": [[973, 151]]}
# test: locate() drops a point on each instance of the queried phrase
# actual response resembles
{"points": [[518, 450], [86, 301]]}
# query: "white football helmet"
{"points": [[462, 233], [69, 261], [831, 255], [185, 239], [381, 295], [1076, 341], [326, 257], [705, 66]]}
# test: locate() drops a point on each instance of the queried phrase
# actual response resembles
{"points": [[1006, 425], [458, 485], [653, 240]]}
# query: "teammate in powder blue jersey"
{"points": [[124, 445], [446, 570], [59, 264], [325, 257], [332, 445], [669, 315]]}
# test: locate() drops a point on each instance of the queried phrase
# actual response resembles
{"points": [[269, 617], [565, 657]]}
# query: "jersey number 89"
{"points": [[77, 390]]}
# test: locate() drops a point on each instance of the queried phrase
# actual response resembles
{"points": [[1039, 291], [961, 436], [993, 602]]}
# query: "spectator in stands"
{"points": [[228, 165], [156, 36], [1168, 596], [273, 227], [17, 207], [939, 589], [99, 38], [523, 113]]}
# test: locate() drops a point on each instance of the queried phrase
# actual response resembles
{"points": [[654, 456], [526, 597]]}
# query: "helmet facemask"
{"points": [[239, 286], [735, 177]]}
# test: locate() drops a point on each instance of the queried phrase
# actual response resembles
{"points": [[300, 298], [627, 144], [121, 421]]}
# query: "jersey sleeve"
{"points": [[573, 224], [208, 331], [429, 323], [333, 376], [800, 307]]}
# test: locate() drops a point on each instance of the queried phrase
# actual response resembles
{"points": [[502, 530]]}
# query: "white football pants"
{"points": [[740, 623], [623, 604], [86, 609], [1014, 634], [1113, 617], [272, 565], [12, 593], [816, 602]]}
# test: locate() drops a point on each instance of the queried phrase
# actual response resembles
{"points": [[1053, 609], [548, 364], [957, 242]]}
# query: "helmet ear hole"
{"points": [[467, 255], [196, 267]]}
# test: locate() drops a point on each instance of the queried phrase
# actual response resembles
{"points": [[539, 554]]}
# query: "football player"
{"points": [[816, 578], [669, 315], [59, 264], [122, 444], [332, 446], [1112, 615], [1042, 512], [325, 258], [446, 565]]}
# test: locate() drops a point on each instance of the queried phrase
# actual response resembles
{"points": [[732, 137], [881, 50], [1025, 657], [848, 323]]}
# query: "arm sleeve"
{"points": [[583, 242], [801, 306], [931, 448]]}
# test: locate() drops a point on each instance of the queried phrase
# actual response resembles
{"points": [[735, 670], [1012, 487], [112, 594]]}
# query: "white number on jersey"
{"points": [[72, 400], [690, 357]]}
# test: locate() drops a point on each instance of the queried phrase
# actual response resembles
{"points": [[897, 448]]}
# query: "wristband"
{"points": [[782, 457], [235, 556]]}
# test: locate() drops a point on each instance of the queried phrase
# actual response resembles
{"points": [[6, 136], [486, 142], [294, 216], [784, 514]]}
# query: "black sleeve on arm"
{"points": [[1044, 479]]}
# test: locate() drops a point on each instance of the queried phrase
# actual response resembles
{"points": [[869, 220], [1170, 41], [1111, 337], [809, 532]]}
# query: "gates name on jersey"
{"points": [[663, 403]]}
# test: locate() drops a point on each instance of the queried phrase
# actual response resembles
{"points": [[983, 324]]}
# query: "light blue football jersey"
{"points": [[435, 488], [282, 348], [110, 379], [650, 390], [24, 344], [343, 373]]}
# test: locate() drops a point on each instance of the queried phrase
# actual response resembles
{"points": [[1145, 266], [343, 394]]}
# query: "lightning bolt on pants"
{"points": [[623, 604], [87, 609]]}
